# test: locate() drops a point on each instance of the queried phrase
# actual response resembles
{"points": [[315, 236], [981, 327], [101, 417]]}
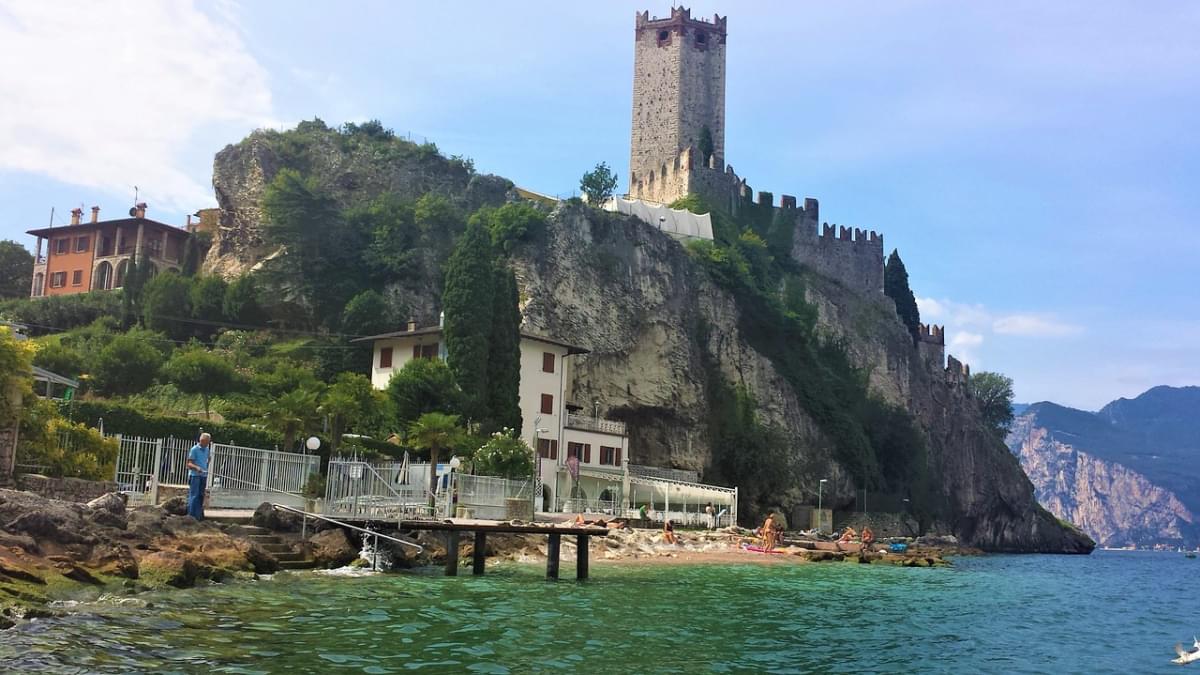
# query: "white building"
{"points": [[599, 481]]}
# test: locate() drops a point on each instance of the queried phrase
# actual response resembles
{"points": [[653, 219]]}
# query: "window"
{"points": [[385, 357], [81, 244], [581, 450], [61, 245], [425, 351], [610, 456], [547, 362], [58, 279], [547, 404], [547, 448], [77, 277]]}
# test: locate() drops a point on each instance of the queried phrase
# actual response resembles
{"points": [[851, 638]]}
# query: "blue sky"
{"points": [[1035, 163]]}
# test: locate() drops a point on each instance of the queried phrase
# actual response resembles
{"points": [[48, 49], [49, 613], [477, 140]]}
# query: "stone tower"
{"points": [[678, 104]]}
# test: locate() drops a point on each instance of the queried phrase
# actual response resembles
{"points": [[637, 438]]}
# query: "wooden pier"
{"points": [[453, 530]]}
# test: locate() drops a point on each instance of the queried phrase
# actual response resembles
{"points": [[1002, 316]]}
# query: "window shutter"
{"points": [[617, 457], [587, 453], [553, 449], [547, 362], [547, 404], [385, 357], [416, 351]]}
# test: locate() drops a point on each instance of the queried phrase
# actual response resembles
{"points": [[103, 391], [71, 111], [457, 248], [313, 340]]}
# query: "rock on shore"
{"points": [[49, 548]]}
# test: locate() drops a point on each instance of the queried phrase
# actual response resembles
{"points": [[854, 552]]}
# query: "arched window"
{"points": [[103, 277], [122, 270]]}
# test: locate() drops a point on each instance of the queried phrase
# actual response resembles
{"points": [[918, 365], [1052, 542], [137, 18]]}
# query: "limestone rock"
{"points": [[176, 506], [332, 548], [113, 502], [273, 519]]}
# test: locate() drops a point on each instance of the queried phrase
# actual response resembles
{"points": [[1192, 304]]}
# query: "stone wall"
{"points": [[64, 489], [851, 256], [8, 452], [678, 89]]}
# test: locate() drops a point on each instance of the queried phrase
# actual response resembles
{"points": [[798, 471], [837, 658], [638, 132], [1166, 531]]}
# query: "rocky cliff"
{"points": [[658, 325], [1126, 474]]}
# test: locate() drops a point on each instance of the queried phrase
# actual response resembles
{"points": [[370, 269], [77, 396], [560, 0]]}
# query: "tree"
{"points": [[207, 298], [349, 400], [598, 184], [240, 304], [423, 386], [127, 365], [137, 273], [504, 360], [167, 305], [467, 302], [504, 455], [60, 359], [705, 144], [16, 378], [895, 286], [994, 393], [197, 371], [435, 432], [367, 313], [293, 413], [16, 270]]}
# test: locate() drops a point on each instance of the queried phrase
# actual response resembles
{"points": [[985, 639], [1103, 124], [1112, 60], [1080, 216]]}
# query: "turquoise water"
{"points": [[1112, 612]]}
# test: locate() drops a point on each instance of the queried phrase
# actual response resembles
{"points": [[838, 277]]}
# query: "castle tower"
{"points": [[678, 103]]}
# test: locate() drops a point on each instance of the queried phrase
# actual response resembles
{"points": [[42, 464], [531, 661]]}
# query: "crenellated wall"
{"points": [[931, 343], [957, 372], [852, 256]]}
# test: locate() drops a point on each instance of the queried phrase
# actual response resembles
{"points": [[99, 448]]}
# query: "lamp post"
{"points": [[537, 467], [820, 486]]}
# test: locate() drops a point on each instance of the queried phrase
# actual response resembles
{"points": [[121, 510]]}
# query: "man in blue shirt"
{"points": [[197, 466]]}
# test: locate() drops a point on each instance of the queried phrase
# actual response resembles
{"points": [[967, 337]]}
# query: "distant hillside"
{"points": [[1129, 473]]}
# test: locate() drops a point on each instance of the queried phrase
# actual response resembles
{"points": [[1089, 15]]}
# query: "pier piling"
{"points": [[452, 553], [581, 557], [479, 553], [552, 550]]}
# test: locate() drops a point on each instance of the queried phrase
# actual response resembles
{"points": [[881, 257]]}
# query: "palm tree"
{"points": [[434, 432], [292, 413]]}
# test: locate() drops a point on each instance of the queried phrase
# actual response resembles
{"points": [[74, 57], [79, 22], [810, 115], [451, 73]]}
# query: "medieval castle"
{"points": [[677, 148]]}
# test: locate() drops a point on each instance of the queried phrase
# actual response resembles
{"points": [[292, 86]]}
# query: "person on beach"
{"points": [[848, 535], [197, 466], [767, 532], [708, 512], [669, 532], [868, 537], [642, 512]]}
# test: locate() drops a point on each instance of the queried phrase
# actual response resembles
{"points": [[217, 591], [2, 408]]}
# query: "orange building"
{"points": [[95, 256]]}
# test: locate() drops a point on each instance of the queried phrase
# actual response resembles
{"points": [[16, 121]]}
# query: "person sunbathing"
{"points": [[767, 532], [868, 537], [848, 536]]}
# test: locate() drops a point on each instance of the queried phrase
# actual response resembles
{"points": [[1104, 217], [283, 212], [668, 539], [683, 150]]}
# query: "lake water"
{"points": [[1111, 612]]}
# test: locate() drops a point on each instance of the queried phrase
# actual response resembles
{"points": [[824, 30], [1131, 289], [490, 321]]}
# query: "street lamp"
{"points": [[312, 443], [820, 486]]}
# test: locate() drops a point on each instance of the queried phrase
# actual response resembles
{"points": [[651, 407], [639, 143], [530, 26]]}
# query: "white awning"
{"points": [[675, 222]]}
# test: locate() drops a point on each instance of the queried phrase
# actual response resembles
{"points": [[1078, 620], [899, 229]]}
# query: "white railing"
{"points": [[238, 477], [355, 489], [682, 475], [595, 424], [487, 496]]}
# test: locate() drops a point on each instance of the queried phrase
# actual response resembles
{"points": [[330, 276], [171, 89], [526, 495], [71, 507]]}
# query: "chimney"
{"points": [[76, 214], [139, 211], [189, 224], [412, 325], [95, 214]]}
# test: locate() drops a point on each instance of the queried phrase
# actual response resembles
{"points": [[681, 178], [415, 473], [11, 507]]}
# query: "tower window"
{"points": [[701, 37], [664, 35]]}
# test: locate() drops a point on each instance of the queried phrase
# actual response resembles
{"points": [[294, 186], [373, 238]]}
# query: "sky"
{"points": [[1036, 164]]}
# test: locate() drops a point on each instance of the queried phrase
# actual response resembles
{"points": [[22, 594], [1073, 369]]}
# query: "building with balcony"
{"points": [[95, 256], [582, 462]]}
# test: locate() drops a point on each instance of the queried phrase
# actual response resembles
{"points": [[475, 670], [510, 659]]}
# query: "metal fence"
{"points": [[487, 496], [389, 490], [238, 477]]}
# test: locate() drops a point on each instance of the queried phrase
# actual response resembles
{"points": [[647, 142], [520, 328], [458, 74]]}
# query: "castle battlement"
{"points": [[681, 17], [957, 372], [931, 344]]}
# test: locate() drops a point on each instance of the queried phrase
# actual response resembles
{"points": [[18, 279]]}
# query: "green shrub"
{"points": [[127, 421], [61, 312], [62, 448]]}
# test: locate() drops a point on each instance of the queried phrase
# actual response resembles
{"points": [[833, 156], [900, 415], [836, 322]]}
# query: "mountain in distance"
{"points": [[1128, 474]]}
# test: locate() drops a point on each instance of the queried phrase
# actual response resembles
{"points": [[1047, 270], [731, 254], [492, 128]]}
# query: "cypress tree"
{"points": [[504, 361], [467, 303], [895, 286]]}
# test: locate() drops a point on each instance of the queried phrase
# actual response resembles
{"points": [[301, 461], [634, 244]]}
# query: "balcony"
{"points": [[584, 423]]}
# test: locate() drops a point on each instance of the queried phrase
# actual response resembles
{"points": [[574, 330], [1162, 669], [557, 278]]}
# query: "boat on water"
{"points": [[1187, 656]]}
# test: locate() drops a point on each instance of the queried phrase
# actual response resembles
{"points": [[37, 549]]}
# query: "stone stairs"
{"points": [[274, 544]]}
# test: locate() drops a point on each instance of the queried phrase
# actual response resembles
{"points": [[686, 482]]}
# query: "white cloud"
{"points": [[964, 346], [107, 95], [1029, 325]]}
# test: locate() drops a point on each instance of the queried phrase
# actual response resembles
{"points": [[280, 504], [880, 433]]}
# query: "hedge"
{"points": [[128, 421]]}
